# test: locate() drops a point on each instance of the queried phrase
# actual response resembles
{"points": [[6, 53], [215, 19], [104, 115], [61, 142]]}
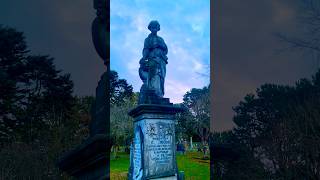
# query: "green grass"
{"points": [[119, 166], [194, 167]]}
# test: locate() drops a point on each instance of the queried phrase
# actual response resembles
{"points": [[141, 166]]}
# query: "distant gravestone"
{"points": [[153, 154]]}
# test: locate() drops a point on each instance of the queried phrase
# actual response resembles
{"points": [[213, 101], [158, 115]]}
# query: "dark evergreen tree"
{"points": [[280, 127]]}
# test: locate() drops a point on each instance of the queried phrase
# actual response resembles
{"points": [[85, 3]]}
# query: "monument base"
{"points": [[167, 178], [88, 161], [153, 153]]}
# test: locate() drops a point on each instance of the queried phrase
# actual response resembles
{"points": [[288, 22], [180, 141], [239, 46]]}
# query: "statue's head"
{"points": [[154, 26]]}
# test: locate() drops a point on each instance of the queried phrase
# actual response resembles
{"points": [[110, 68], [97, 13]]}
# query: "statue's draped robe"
{"points": [[155, 51]]}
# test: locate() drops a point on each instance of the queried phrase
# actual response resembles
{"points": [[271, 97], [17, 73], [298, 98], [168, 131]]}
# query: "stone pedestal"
{"points": [[153, 152], [90, 160], [87, 161]]}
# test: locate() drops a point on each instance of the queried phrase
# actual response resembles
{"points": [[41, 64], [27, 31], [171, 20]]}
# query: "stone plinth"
{"points": [[87, 161], [153, 151], [90, 160]]}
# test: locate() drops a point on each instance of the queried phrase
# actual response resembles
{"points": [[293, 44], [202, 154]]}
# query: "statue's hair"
{"points": [[154, 23]]}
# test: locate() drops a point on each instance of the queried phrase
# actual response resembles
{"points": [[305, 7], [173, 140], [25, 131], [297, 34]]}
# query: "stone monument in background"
{"points": [[152, 154], [91, 159]]}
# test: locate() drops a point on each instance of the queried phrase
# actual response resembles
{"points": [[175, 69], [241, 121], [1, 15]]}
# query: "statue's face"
{"points": [[153, 29]]}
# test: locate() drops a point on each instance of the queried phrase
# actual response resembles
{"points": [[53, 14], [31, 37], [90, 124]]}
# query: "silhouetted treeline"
{"points": [[277, 134], [39, 116]]}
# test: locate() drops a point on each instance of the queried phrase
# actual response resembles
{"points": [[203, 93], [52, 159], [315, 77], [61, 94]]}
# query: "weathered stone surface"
{"points": [[87, 161], [91, 159], [152, 154], [100, 111], [101, 29], [152, 69], [137, 158], [167, 178], [154, 141], [148, 96], [156, 110], [158, 147]]}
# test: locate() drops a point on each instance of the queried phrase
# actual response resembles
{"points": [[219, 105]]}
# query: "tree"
{"points": [[184, 127], [276, 135], [38, 115], [232, 160], [197, 120], [119, 89], [48, 95], [122, 99], [78, 127], [280, 127], [13, 50], [121, 123], [33, 93]]}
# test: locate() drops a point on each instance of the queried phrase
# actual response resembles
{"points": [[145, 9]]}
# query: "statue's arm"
{"points": [[145, 50], [163, 46]]}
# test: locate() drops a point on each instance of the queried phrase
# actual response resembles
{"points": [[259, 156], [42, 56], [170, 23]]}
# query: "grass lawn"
{"points": [[193, 166]]}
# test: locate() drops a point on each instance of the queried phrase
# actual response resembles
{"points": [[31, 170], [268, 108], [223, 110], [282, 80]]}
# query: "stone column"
{"points": [[91, 159]]}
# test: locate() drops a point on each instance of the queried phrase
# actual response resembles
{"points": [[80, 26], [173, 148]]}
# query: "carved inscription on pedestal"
{"points": [[160, 147]]}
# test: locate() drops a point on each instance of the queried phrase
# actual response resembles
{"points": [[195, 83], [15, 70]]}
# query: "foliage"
{"points": [[121, 123], [122, 99], [277, 133], [13, 50], [119, 89], [196, 120], [39, 117], [34, 95], [233, 160]]}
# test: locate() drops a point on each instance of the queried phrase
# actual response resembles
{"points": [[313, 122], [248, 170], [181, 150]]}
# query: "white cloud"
{"points": [[175, 90], [133, 66], [197, 28], [198, 67], [139, 21], [186, 49]]}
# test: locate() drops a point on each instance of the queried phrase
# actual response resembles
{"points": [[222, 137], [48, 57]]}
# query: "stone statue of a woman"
{"points": [[153, 63]]}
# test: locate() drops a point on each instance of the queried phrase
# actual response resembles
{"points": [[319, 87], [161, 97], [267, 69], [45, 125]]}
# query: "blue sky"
{"points": [[185, 28]]}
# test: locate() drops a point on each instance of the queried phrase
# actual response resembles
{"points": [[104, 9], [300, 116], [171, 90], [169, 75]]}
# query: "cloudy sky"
{"points": [[244, 48], [185, 27], [246, 53], [61, 29]]}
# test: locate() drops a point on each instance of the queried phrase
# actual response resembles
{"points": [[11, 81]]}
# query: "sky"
{"points": [[61, 29], [185, 28], [247, 54], [243, 46]]}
